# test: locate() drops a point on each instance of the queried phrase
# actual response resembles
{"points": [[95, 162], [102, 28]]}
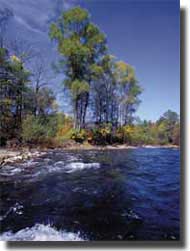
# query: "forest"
{"points": [[103, 91]]}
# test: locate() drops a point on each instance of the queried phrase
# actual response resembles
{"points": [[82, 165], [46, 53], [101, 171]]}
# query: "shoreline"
{"points": [[8, 155]]}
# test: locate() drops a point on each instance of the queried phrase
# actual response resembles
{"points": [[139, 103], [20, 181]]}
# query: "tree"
{"points": [[13, 87], [46, 102], [170, 116], [128, 92], [168, 122], [103, 90], [39, 80], [81, 44], [23, 49], [176, 134], [115, 92]]}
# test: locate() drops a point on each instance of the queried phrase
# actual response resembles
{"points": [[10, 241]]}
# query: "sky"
{"points": [[143, 33]]}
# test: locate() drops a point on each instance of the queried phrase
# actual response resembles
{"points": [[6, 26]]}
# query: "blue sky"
{"points": [[144, 33]]}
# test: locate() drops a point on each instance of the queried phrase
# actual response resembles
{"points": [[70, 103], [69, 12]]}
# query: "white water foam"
{"points": [[29, 163], [59, 166], [75, 166], [72, 167], [10, 170], [40, 232], [59, 163]]}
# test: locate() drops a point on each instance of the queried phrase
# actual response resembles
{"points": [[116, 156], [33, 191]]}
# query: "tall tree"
{"points": [[13, 87], [115, 92], [104, 91], [40, 76], [169, 121], [128, 92], [81, 44]]}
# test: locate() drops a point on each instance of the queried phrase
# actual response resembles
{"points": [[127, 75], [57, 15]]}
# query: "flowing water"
{"points": [[130, 194]]}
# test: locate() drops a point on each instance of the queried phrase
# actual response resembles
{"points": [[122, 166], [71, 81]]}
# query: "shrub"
{"points": [[79, 135], [102, 135], [64, 127], [49, 129], [125, 133], [176, 135], [33, 131]]}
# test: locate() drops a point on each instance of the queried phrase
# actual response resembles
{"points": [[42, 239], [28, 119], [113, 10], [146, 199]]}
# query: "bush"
{"points": [[79, 135], [134, 135], [49, 129], [124, 134], [176, 135], [33, 130], [64, 127], [102, 135]]}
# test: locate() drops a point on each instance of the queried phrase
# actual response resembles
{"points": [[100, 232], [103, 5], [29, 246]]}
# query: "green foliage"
{"points": [[167, 124], [95, 80], [39, 129], [78, 87], [91, 72], [125, 73], [13, 83], [96, 71], [45, 99], [64, 127], [101, 135], [55, 32], [115, 92], [75, 15], [176, 134], [143, 133], [81, 45], [33, 130]]}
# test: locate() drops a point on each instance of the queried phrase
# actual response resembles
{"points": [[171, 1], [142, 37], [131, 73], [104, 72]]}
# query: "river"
{"points": [[125, 194]]}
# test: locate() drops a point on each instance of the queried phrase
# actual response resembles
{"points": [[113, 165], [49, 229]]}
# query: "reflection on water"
{"points": [[92, 195]]}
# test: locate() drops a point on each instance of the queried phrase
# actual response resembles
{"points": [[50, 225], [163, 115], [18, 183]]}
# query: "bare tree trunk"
{"points": [[85, 108], [75, 113]]}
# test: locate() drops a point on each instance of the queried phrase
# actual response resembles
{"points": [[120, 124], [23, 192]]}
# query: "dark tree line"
{"points": [[23, 92]]}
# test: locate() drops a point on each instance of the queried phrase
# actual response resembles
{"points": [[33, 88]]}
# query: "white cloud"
{"points": [[26, 25], [35, 15]]}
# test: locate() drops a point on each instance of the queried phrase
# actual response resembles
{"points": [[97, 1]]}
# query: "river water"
{"points": [[126, 194]]}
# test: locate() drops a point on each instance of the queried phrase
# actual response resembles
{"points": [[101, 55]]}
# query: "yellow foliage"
{"points": [[15, 59], [128, 129], [65, 128], [105, 131], [122, 66]]}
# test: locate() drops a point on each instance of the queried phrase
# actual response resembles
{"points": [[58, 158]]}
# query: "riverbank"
{"points": [[8, 155]]}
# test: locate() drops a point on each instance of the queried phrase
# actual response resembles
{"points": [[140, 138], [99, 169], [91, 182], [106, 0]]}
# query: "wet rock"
{"points": [[130, 237], [8, 157], [172, 237], [13, 143], [120, 237]]}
